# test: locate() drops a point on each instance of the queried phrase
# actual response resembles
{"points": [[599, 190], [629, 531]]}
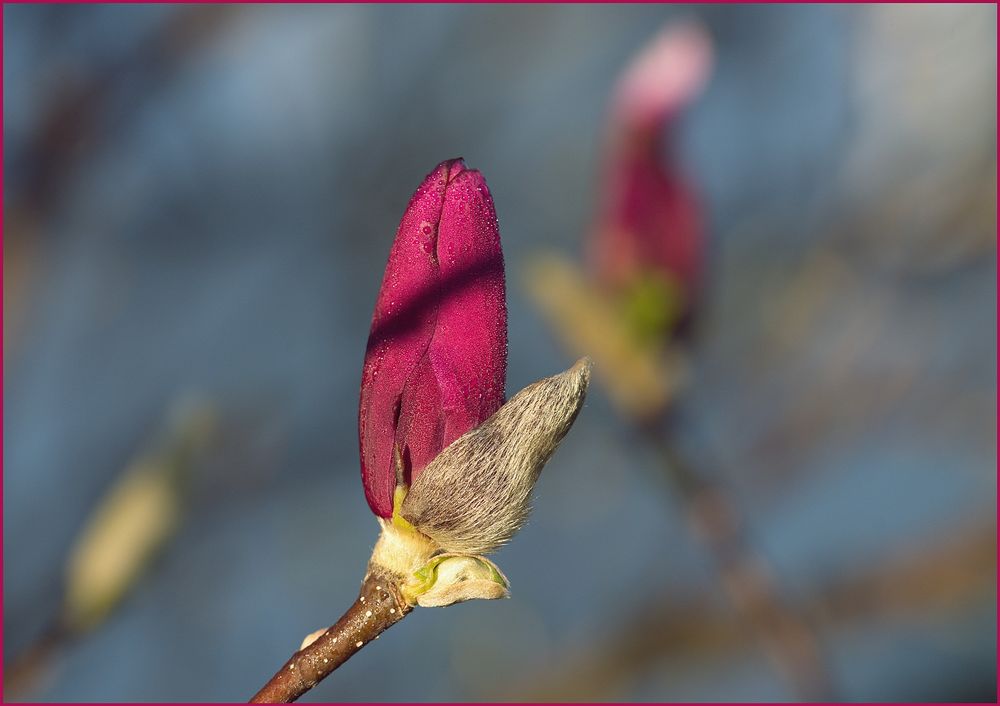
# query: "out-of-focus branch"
{"points": [[747, 580], [931, 576], [72, 122], [79, 116]]}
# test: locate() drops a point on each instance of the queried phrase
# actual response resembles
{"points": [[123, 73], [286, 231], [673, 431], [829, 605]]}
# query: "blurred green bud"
{"points": [[641, 372], [652, 304]]}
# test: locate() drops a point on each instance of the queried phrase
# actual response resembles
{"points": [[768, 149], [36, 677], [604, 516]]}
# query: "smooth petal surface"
{"points": [[436, 361], [650, 219]]}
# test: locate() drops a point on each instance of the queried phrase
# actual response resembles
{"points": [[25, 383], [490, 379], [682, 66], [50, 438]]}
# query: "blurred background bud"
{"points": [[139, 514], [648, 242], [130, 525]]}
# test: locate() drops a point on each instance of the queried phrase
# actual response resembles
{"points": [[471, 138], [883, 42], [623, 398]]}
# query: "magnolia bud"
{"points": [[473, 497], [436, 361]]}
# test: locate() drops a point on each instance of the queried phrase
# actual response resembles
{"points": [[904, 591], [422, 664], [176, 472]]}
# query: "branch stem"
{"points": [[378, 607]]}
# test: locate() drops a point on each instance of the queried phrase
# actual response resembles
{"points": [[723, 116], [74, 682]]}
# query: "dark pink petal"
{"points": [[650, 218], [436, 361]]}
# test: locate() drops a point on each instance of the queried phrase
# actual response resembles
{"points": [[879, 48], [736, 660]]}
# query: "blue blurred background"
{"points": [[199, 201]]}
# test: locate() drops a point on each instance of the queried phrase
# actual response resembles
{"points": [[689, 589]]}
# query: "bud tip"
{"points": [[581, 371]]}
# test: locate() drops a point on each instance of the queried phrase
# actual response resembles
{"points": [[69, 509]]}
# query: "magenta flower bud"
{"points": [[436, 362], [650, 221]]}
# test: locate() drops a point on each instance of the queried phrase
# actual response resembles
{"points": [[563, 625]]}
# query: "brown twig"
{"points": [[378, 607]]}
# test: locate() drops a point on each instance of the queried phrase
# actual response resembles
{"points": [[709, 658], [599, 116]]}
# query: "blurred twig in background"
{"points": [[79, 117], [88, 110], [746, 576], [934, 575]]}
